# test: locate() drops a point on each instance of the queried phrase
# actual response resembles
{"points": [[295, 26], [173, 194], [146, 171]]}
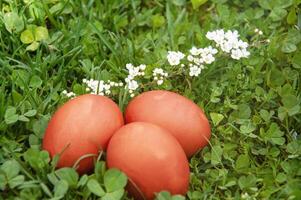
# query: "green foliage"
{"points": [[253, 105]]}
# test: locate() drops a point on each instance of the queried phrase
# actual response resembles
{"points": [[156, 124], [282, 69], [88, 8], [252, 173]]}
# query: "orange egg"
{"points": [[81, 128], [152, 159], [176, 113]]}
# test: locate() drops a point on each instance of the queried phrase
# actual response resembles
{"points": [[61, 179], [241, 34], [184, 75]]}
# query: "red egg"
{"points": [[80, 128], [176, 113], [152, 159]]}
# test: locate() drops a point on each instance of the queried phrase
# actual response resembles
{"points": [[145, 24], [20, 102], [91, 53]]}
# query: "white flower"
{"points": [[204, 55], [68, 94], [209, 59], [229, 42], [243, 44], [194, 51], [232, 35], [236, 54], [132, 85], [226, 46], [160, 82], [159, 74], [211, 50], [194, 70], [142, 67], [217, 36], [129, 66], [190, 58], [239, 53], [174, 57]]}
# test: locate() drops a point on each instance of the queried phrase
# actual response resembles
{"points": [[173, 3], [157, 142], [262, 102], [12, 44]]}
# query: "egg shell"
{"points": [[82, 128], [176, 113]]}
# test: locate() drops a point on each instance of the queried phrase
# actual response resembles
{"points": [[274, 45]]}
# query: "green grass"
{"points": [[253, 104]]}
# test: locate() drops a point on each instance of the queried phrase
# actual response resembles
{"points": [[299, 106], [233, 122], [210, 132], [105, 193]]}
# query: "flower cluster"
{"points": [[198, 57], [174, 57], [202, 55], [68, 94], [229, 42], [196, 60], [132, 84], [159, 74], [100, 87]]}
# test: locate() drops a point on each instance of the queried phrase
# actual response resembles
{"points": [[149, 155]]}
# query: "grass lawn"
{"points": [[53, 50]]}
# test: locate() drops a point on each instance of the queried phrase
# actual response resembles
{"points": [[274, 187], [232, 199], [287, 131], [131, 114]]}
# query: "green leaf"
{"points": [[178, 197], [27, 37], [242, 162], [288, 47], [197, 3], [38, 160], [41, 33], [158, 21], [35, 82], [61, 188], [82, 181], [11, 168], [292, 16], [23, 118], [116, 195], [114, 180], [276, 77], [265, 115], [247, 128], [291, 104], [281, 177], [33, 46], [20, 78], [69, 175], [216, 155], [13, 22], [164, 195], [95, 188], [99, 170], [53, 178], [10, 115], [278, 14], [39, 126], [2, 182], [297, 59], [290, 101], [282, 113], [30, 113], [241, 114], [178, 2], [273, 135], [294, 147], [16, 181], [247, 181], [216, 118]]}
